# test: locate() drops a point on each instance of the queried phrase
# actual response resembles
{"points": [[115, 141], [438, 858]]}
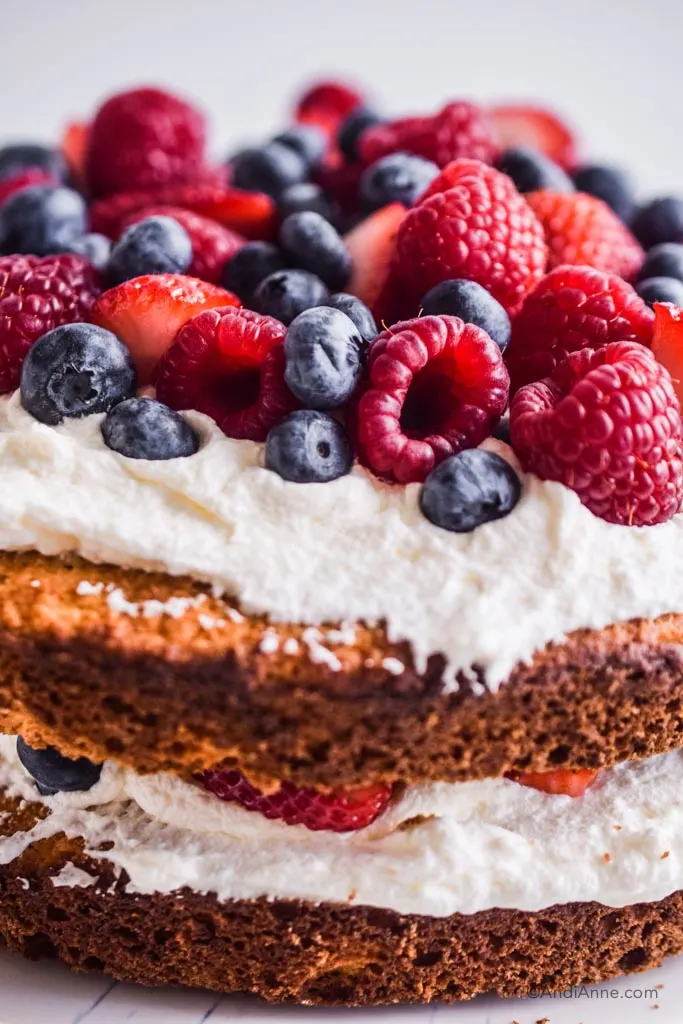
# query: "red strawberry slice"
{"points": [[667, 342], [536, 127], [74, 148], [327, 105], [212, 244], [147, 313], [559, 783], [372, 244]]}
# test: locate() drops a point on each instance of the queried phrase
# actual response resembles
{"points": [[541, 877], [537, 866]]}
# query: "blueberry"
{"points": [[665, 260], [502, 431], [659, 221], [270, 169], [250, 265], [308, 447], [287, 293], [75, 370], [396, 178], [155, 245], [93, 247], [531, 170], [306, 196], [352, 128], [471, 303], [42, 219], [305, 139], [661, 289], [142, 428], [356, 311], [20, 156], [609, 184], [312, 243], [54, 773], [469, 489], [322, 357]]}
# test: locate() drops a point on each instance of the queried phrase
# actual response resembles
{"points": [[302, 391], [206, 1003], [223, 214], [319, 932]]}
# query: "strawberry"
{"points": [[538, 128], [74, 148], [212, 244], [327, 105], [667, 342], [559, 783], [372, 244]]}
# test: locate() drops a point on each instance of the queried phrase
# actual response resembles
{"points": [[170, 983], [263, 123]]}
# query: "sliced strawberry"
{"points": [[327, 105], [558, 783], [667, 342], [74, 147], [147, 313], [212, 244], [536, 127], [371, 244]]}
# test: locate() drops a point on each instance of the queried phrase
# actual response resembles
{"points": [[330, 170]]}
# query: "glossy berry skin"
{"points": [[609, 184], [322, 357], [351, 130], [471, 303], [469, 489], [531, 170], [308, 141], [270, 169], [143, 428], [667, 343], [664, 260], [661, 289], [313, 244], [341, 810], [606, 424], [309, 447], [74, 371], [659, 221], [253, 262], [306, 196], [326, 104], [573, 308], [396, 178], [433, 387], [459, 130], [53, 773], [155, 245], [561, 782], [41, 219], [357, 312], [20, 157], [95, 248], [287, 293]]}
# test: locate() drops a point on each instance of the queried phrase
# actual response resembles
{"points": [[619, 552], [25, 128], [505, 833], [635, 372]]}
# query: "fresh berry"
{"points": [[461, 129], [20, 157], [659, 221], [469, 489], [327, 105], [357, 312], [471, 303], [561, 782], [502, 431], [535, 127], [322, 357], [41, 219], [142, 428], [664, 260], [286, 293], [308, 447], [35, 296], [94, 248], [661, 289], [23, 179], [73, 371], [74, 150], [143, 139], [583, 230], [570, 309], [147, 313], [249, 266], [307, 141], [313, 244], [434, 386], [269, 169], [667, 343], [339, 181], [351, 130], [53, 773], [341, 810], [531, 170], [155, 245], [372, 244], [230, 365], [396, 178], [607, 424], [609, 184], [306, 196]]}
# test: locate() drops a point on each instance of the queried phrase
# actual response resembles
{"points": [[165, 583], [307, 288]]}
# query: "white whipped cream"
{"points": [[351, 550], [471, 846]]}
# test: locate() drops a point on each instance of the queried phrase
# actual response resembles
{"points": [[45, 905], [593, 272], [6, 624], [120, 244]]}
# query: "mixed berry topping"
{"points": [[323, 352], [155, 245], [308, 447], [53, 773], [469, 489], [41, 219], [143, 428]]}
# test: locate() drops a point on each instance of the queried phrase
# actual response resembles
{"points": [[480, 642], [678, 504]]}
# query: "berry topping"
{"points": [[469, 489], [308, 447], [341, 810], [581, 229], [351, 130], [372, 244], [434, 386], [312, 243], [94, 248], [665, 260], [357, 312], [54, 773], [148, 312], [74, 149], [212, 244], [287, 293], [535, 127], [322, 357], [269, 169], [142, 428], [667, 343], [461, 129], [607, 424], [155, 245], [23, 179], [41, 219], [561, 782], [609, 184], [396, 178], [659, 221], [307, 140], [471, 303], [327, 105], [531, 170], [73, 371], [230, 365], [306, 196], [20, 157], [661, 289], [252, 263], [573, 308]]}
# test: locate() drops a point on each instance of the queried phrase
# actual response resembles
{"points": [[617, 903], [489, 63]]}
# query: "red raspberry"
{"points": [[342, 810], [434, 386], [573, 308], [581, 229], [327, 105], [212, 244], [606, 423], [461, 129], [558, 783], [35, 296], [144, 138], [31, 176], [230, 364]]}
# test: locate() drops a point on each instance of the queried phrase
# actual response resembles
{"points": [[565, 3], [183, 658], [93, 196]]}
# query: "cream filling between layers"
{"points": [[440, 849]]}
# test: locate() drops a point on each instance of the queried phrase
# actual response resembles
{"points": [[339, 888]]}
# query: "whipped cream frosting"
{"points": [[439, 849], [352, 550]]}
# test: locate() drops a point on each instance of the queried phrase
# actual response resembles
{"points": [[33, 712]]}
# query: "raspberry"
{"points": [[573, 308], [561, 782], [435, 385], [607, 424], [327, 105], [142, 139], [31, 176], [35, 296], [581, 229], [461, 129], [230, 364], [342, 810]]}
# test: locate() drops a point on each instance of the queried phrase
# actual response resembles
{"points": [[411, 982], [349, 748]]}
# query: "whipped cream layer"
{"points": [[351, 550], [440, 849]]}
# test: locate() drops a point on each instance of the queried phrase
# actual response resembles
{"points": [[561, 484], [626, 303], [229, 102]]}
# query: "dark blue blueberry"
{"points": [[155, 245], [609, 184], [93, 247], [352, 129], [502, 431], [306, 196], [531, 170], [73, 371], [306, 140], [142, 428], [665, 260], [396, 178], [270, 169], [659, 221], [661, 289], [322, 357], [356, 311], [20, 156], [309, 447], [287, 293], [471, 303], [249, 266], [54, 773], [312, 243], [42, 219], [469, 489]]}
